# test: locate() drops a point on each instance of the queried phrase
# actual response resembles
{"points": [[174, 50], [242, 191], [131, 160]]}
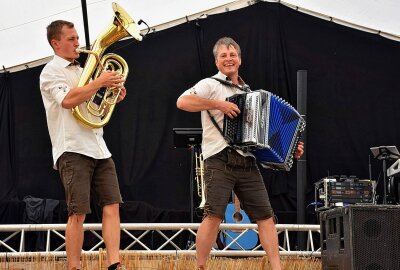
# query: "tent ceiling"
{"points": [[377, 16], [23, 22]]}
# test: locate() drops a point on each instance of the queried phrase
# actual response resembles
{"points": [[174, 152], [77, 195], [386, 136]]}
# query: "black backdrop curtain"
{"points": [[353, 93], [7, 143]]}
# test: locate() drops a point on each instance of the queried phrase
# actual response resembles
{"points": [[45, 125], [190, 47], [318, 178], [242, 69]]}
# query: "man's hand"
{"points": [[299, 151], [109, 79], [122, 93], [228, 108]]}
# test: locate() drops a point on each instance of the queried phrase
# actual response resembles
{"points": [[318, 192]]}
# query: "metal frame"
{"points": [[136, 232]]}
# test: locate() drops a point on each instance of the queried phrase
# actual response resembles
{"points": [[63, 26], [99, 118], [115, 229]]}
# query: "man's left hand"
{"points": [[122, 93], [299, 151]]}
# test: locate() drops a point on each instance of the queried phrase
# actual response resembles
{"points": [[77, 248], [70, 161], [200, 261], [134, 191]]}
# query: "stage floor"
{"points": [[134, 261]]}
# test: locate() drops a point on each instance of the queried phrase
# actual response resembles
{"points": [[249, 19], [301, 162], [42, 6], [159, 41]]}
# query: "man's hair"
{"points": [[226, 41], [54, 29]]}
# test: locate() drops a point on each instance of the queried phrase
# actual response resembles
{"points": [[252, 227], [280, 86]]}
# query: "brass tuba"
{"points": [[99, 107]]}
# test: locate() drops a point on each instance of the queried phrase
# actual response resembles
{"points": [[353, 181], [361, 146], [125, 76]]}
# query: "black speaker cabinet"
{"points": [[361, 237]]}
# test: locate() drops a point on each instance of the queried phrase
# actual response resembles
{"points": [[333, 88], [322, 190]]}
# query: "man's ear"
{"points": [[54, 43]]}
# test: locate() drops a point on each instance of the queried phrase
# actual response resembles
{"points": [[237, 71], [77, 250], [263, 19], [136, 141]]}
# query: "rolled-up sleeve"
{"points": [[54, 84], [202, 89]]}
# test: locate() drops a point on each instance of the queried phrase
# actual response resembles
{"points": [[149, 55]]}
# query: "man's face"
{"points": [[68, 43], [228, 60]]}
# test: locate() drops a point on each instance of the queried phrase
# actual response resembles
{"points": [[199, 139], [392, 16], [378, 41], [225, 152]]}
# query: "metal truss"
{"points": [[152, 238]]}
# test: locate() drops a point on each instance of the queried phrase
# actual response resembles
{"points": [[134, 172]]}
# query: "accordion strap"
{"points": [[212, 117], [216, 125], [245, 87]]}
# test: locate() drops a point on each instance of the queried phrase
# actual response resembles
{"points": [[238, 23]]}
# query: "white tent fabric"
{"points": [[23, 22], [376, 16]]}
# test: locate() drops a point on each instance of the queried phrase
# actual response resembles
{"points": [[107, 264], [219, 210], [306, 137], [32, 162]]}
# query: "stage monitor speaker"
{"points": [[361, 237]]}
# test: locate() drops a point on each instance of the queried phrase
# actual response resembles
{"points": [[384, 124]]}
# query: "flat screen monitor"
{"points": [[187, 137]]}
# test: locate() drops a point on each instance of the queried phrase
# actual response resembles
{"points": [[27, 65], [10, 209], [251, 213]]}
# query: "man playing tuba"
{"points": [[80, 154]]}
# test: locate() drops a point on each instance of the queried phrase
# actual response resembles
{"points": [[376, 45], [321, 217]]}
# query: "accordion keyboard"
{"points": [[233, 131]]}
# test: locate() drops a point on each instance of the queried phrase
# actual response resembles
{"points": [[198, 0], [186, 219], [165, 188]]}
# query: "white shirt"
{"points": [[213, 142], [66, 133]]}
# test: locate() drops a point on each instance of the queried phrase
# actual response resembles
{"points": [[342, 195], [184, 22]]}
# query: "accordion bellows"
{"points": [[268, 126]]}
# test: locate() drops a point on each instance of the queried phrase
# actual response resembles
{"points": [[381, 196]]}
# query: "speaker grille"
{"points": [[376, 237], [361, 237]]}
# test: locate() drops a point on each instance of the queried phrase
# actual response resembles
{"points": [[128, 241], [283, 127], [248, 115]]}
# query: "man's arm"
{"points": [[194, 103], [78, 95]]}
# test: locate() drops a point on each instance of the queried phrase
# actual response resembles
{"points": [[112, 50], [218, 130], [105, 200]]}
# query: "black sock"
{"points": [[113, 266]]}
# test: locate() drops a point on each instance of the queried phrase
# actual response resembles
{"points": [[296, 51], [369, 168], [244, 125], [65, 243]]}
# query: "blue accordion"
{"points": [[268, 126]]}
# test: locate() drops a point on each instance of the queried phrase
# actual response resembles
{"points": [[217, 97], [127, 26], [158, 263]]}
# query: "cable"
{"points": [[36, 20]]}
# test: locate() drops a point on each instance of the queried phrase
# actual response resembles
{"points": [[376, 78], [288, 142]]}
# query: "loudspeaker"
{"points": [[360, 237]]}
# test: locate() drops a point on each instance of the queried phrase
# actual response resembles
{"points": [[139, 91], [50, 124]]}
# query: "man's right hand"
{"points": [[77, 95], [109, 79], [228, 108]]}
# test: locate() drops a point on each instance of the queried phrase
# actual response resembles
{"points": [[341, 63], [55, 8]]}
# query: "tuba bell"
{"points": [[96, 112]]}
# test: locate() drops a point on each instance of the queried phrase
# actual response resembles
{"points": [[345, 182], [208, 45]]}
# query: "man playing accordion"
{"points": [[227, 168]]}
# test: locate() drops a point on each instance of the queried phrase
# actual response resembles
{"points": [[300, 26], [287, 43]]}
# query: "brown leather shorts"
{"points": [[81, 174], [228, 170]]}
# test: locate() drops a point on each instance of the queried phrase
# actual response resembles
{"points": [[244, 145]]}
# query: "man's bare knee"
{"points": [[76, 218], [111, 209], [213, 217]]}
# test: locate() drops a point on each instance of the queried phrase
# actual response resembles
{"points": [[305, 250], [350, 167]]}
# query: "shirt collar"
{"points": [[65, 63], [242, 84], [75, 63]]}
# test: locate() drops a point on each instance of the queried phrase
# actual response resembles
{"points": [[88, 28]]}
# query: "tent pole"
{"points": [[85, 24], [302, 162]]}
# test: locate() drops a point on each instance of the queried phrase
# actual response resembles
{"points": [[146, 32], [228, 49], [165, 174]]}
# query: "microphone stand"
{"points": [[385, 153]]}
